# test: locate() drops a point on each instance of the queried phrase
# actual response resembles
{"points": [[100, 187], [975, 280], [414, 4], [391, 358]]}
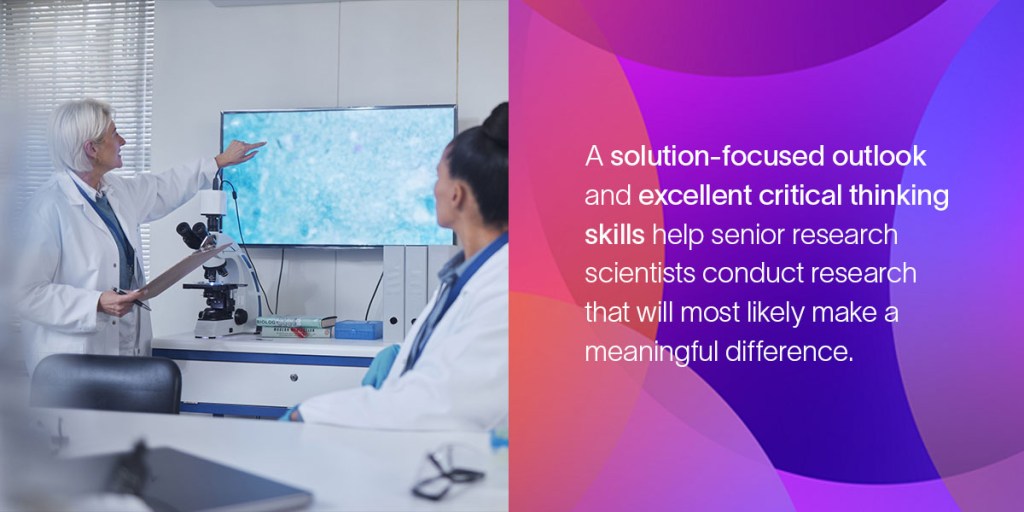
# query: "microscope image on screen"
{"points": [[338, 177]]}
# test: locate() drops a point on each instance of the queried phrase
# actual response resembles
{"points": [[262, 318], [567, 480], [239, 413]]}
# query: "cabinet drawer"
{"points": [[280, 385]]}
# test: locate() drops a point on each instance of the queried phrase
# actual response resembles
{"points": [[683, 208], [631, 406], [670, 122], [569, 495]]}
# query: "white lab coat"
{"points": [[68, 258], [460, 381]]}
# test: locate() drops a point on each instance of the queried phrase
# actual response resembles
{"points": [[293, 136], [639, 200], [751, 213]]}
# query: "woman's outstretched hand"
{"points": [[237, 152]]}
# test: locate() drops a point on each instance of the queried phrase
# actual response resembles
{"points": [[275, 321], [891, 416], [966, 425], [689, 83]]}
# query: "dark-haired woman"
{"points": [[451, 373]]}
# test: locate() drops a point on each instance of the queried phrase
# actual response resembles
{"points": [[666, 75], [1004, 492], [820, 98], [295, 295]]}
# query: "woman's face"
{"points": [[444, 191], [108, 150]]}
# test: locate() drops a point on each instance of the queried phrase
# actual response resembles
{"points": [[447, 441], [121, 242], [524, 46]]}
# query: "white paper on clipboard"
{"points": [[179, 271]]}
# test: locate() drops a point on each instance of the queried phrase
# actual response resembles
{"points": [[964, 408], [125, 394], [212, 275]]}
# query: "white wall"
{"points": [[380, 52]]}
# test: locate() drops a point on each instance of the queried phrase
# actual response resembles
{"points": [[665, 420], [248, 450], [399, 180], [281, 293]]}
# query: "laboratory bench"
{"points": [[245, 375]]}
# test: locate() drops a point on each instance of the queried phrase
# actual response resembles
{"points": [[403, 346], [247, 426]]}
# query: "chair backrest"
{"points": [[109, 383]]}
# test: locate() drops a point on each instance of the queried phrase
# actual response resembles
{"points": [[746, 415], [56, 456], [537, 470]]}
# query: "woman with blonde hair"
{"points": [[82, 237]]}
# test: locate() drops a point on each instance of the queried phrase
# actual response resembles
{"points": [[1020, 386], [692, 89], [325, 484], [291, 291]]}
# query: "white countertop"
{"points": [[255, 344]]}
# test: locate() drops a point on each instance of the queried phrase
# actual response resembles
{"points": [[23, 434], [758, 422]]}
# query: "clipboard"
{"points": [[180, 269]]}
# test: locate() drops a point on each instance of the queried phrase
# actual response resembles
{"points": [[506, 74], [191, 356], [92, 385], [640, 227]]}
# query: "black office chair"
{"points": [[109, 383]]}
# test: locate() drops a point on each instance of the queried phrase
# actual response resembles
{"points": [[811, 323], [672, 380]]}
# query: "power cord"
{"points": [[280, 272], [259, 282], [375, 288]]}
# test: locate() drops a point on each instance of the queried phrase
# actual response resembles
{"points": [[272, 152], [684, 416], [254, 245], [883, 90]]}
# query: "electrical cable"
{"points": [[238, 219], [280, 273], [375, 288]]}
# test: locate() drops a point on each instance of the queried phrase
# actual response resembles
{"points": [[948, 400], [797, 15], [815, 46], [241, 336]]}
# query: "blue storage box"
{"points": [[358, 330]]}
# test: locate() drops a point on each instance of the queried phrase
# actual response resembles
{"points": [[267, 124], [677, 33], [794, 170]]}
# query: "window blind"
{"points": [[54, 51]]}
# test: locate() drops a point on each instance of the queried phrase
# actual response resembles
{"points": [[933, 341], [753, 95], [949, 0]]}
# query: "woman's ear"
{"points": [[90, 149], [459, 192]]}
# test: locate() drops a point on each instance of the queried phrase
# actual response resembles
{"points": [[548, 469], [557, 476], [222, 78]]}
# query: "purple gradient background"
{"points": [[843, 422], [960, 349], [928, 416], [734, 37]]}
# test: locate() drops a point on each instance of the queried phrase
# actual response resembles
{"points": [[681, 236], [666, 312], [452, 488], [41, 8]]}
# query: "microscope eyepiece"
{"points": [[199, 229], [191, 240]]}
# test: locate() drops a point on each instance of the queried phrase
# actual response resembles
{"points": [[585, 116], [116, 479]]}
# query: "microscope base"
{"points": [[219, 328]]}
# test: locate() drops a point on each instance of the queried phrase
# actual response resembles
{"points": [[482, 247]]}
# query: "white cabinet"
{"points": [[248, 376]]}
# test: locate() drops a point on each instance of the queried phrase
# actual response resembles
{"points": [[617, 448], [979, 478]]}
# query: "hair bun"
{"points": [[495, 127]]}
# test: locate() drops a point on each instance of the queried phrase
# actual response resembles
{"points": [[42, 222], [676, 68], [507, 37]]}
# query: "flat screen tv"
{"points": [[338, 177]]}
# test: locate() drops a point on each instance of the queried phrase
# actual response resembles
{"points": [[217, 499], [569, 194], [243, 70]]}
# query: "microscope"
{"points": [[229, 281]]}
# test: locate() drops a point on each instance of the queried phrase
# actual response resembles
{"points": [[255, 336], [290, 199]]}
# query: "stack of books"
{"points": [[296, 326]]}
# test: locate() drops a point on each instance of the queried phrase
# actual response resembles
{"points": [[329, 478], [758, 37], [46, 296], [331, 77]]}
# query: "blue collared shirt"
{"points": [[450, 275], [125, 251]]}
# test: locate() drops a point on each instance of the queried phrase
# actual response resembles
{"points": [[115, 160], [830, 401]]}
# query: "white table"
{"points": [[345, 469], [251, 376]]}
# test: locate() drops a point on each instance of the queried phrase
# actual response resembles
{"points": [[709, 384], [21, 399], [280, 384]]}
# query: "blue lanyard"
{"points": [[423, 336], [485, 255], [114, 227]]}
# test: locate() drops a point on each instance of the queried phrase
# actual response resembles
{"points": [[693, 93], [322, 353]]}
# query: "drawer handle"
{"points": [[294, 377]]}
